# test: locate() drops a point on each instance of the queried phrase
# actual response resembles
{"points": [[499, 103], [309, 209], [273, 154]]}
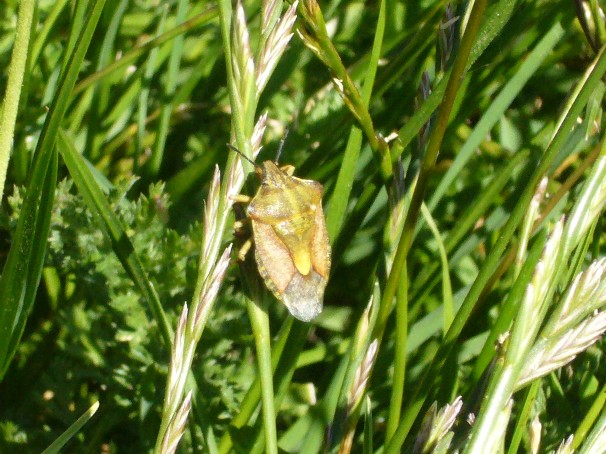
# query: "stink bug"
{"points": [[291, 242]]}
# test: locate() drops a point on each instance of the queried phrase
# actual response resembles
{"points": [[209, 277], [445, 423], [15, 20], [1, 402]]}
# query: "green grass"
{"points": [[464, 170]]}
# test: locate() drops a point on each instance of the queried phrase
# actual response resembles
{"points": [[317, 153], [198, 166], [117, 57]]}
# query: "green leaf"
{"points": [[72, 430], [21, 274]]}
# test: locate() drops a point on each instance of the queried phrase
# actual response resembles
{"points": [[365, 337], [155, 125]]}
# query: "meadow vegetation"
{"points": [[461, 150]]}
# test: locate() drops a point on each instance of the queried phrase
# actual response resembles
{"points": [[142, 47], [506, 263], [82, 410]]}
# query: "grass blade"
{"points": [[72, 430], [21, 274], [16, 71]]}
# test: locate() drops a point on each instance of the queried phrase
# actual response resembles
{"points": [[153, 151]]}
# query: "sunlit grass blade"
{"points": [[497, 17], [10, 103], [143, 101], [72, 430], [368, 427], [594, 412], [487, 199]]}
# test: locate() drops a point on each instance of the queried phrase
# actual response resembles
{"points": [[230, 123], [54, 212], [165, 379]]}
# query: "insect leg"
{"points": [[240, 225], [240, 198], [244, 250]]}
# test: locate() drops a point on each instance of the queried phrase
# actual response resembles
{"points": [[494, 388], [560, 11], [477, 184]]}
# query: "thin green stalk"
{"points": [[468, 219], [597, 15], [360, 363], [399, 367], [313, 425], [16, 72], [260, 323], [447, 299], [97, 107], [77, 21], [594, 442], [592, 415], [285, 346], [315, 36], [429, 160], [531, 312], [42, 35], [283, 377], [65, 89], [341, 382], [535, 304], [340, 196], [522, 422], [501, 13], [244, 93], [574, 177]]}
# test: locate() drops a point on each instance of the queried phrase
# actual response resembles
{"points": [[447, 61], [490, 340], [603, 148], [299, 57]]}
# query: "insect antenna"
{"points": [[281, 146], [257, 168]]}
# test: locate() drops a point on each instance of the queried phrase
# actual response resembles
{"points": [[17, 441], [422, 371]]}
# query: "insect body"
{"points": [[291, 242]]}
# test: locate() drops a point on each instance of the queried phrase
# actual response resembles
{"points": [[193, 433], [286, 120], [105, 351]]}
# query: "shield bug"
{"points": [[291, 242]]}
